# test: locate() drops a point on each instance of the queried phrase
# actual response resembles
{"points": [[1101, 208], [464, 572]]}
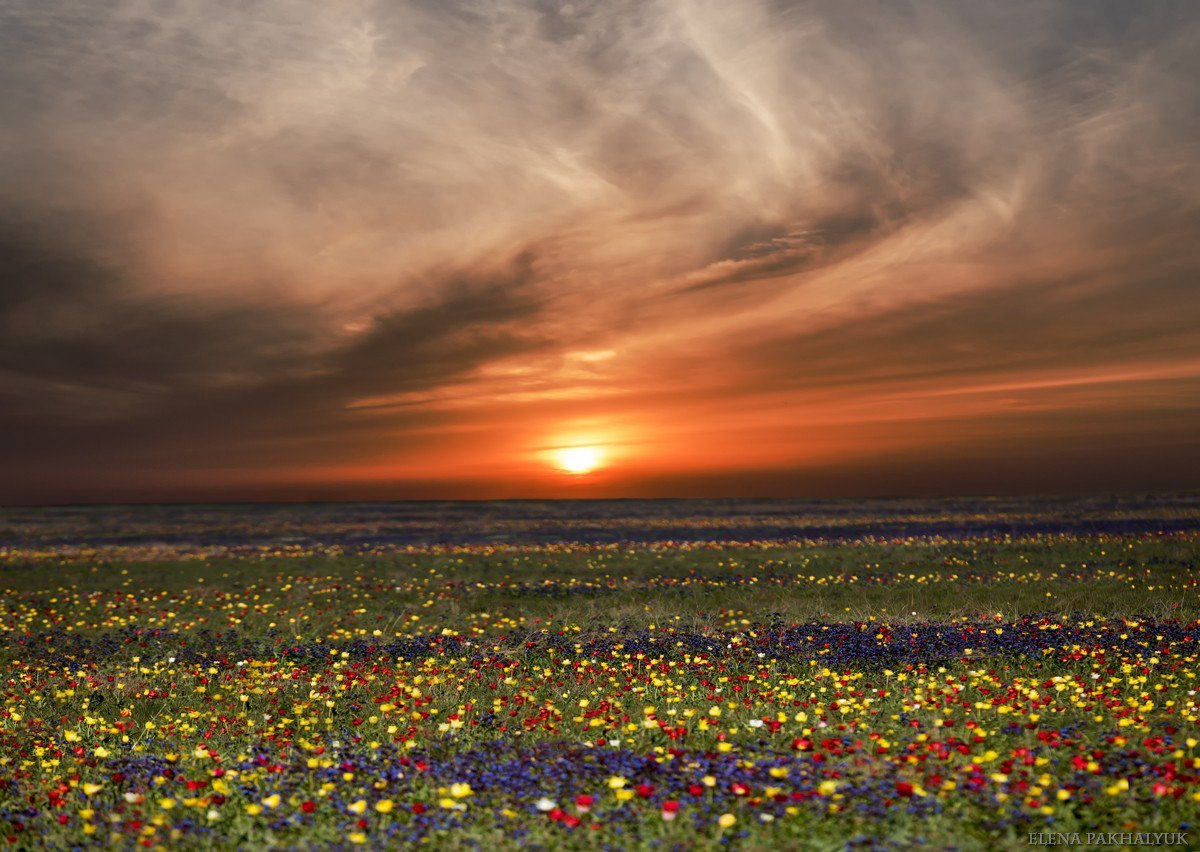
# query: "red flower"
{"points": [[696, 790], [645, 790], [802, 744], [308, 807], [570, 821], [904, 788], [584, 803], [418, 808]]}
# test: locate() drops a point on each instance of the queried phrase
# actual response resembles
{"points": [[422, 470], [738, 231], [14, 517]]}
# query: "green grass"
{"points": [[118, 667]]}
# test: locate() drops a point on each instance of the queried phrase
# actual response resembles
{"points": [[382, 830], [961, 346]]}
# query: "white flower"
{"points": [[755, 723], [213, 814], [545, 804]]}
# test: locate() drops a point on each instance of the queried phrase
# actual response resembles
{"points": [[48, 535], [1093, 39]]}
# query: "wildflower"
{"points": [[726, 820], [544, 804]]}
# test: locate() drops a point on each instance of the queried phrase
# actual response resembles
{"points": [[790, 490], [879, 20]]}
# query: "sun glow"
{"points": [[578, 460]]}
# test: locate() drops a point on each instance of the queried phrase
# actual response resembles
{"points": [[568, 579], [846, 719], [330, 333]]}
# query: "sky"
{"points": [[342, 249]]}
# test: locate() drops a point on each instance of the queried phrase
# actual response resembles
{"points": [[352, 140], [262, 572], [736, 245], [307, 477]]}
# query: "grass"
{"points": [[872, 693]]}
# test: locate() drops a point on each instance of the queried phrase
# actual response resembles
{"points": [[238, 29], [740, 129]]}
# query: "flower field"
{"points": [[875, 693]]}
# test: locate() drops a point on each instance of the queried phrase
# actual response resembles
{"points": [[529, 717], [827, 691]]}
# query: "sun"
{"points": [[578, 460]]}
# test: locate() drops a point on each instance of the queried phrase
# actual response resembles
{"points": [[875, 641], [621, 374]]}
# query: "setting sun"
{"points": [[578, 460]]}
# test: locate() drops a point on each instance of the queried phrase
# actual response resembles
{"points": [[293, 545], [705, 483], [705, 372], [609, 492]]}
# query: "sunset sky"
{"points": [[314, 250]]}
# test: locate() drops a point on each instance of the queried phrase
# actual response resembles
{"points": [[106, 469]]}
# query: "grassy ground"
{"points": [[897, 693]]}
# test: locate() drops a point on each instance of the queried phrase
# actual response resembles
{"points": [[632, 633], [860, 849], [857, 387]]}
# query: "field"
{"points": [[691, 677]]}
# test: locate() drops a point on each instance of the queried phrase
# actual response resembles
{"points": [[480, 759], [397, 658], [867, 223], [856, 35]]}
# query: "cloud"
{"points": [[307, 233]]}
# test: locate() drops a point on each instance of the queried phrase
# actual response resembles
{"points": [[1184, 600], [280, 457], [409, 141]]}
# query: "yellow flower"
{"points": [[616, 782], [254, 810], [726, 820], [624, 795], [460, 791], [358, 807], [384, 806], [166, 804], [1115, 789], [827, 788], [271, 801], [91, 789], [357, 837]]}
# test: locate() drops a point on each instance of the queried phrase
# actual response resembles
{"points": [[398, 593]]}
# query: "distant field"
{"points": [[579, 676]]}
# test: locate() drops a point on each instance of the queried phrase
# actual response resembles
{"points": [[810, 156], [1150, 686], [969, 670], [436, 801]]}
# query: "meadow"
{"points": [[891, 689]]}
